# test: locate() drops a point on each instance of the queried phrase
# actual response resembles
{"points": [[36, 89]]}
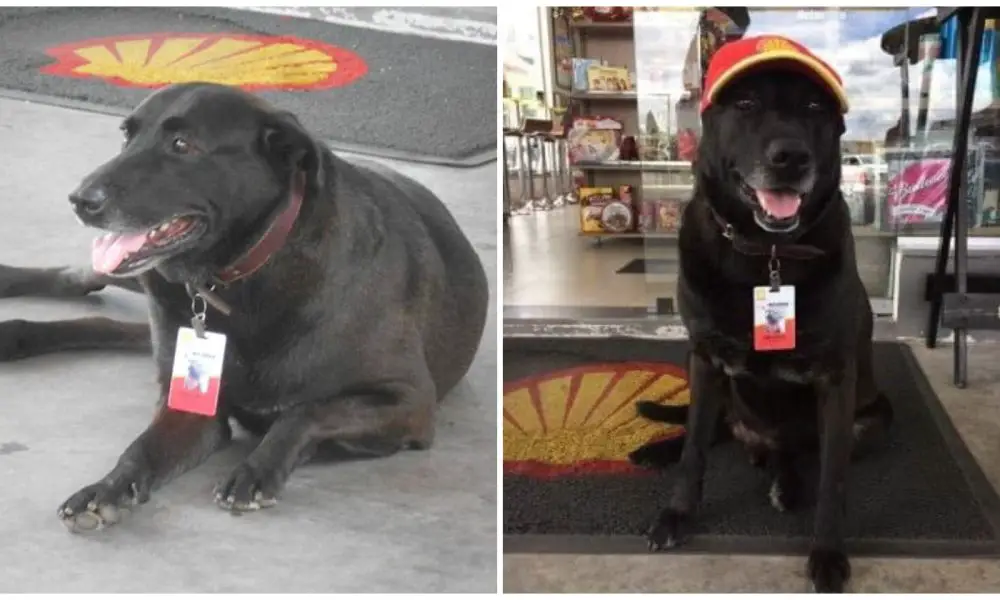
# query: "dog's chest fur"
{"points": [[773, 399], [720, 325]]}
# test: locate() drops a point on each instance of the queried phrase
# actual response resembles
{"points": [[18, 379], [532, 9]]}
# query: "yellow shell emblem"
{"points": [[775, 45], [251, 62], [584, 419]]}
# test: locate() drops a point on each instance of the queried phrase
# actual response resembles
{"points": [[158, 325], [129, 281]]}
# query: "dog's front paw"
{"points": [[828, 570], [248, 488], [666, 532], [103, 504]]}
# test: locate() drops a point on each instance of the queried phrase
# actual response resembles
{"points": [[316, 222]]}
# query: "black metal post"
{"points": [[957, 179], [506, 182], [947, 224]]}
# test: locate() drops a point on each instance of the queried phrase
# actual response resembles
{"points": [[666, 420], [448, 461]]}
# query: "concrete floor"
{"points": [[545, 265], [415, 522]]}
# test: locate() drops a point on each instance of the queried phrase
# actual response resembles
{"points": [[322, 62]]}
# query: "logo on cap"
{"points": [[774, 45]]}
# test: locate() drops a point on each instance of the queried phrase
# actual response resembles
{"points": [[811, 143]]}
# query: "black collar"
{"points": [[756, 248]]}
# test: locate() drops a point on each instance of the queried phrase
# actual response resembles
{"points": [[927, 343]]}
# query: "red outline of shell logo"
{"points": [[252, 62], [583, 420]]}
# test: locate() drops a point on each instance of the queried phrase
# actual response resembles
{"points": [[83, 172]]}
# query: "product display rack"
{"points": [[666, 180], [615, 43], [607, 96]]}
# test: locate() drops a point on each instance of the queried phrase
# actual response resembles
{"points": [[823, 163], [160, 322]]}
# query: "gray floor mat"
{"points": [[420, 96], [922, 495]]}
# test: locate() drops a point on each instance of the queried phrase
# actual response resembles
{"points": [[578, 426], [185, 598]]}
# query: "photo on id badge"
{"points": [[197, 371], [774, 318]]}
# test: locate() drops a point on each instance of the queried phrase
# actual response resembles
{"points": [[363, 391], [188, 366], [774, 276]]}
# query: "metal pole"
{"points": [[530, 163], [543, 151], [948, 223], [557, 199], [506, 183], [957, 182]]}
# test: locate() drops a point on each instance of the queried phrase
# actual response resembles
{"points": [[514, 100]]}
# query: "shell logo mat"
{"points": [[583, 420], [257, 62]]}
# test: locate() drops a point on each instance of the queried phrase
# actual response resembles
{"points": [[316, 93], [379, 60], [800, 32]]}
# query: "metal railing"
{"points": [[537, 174]]}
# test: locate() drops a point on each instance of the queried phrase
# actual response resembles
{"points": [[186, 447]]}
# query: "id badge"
{"points": [[774, 318], [197, 373]]}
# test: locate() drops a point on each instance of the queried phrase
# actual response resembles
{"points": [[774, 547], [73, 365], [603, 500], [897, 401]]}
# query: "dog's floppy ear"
{"points": [[287, 144]]}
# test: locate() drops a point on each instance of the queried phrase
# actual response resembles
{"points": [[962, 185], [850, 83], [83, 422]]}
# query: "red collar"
{"points": [[273, 238]]}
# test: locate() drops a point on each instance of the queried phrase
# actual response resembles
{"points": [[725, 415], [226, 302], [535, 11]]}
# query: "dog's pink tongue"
{"points": [[780, 205], [109, 251]]}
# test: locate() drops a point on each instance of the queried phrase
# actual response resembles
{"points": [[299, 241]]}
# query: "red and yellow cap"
{"points": [[768, 51]]}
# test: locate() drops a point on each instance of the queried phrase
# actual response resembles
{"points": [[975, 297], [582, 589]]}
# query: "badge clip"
{"points": [[199, 310], [774, 270]]}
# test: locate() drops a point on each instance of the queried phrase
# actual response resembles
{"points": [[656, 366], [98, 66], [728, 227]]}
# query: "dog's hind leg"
{"points": [[23, 339], [873, 415], [378, 422], [57, 282], [785, 493]]}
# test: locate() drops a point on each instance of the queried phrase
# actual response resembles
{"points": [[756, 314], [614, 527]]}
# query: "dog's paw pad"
{"points": [[828, 571], [245, 491], [665, 533], [96, 507]]}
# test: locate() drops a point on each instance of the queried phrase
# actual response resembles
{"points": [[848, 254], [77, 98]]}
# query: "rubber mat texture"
{"points": [[913, 489], [421, 96]]}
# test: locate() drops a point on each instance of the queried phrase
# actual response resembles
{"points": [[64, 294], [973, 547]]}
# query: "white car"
{"points": [[862, 180]]}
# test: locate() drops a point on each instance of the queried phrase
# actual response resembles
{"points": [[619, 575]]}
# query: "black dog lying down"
{"points": [[785, 374], [350, 299]]}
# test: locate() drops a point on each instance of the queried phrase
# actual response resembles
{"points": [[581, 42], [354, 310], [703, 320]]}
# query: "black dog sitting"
{"points": [[767, 230]]}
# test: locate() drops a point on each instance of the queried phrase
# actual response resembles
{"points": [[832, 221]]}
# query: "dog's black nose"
{"points": [[788, 154], [89, 200]]}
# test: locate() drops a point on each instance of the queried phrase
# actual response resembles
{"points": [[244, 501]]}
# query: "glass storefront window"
{"points": [[629, 81], [899, 70], [900, 74]]}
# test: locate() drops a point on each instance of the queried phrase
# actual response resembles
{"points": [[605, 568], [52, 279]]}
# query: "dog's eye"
{"points": [[814, 106], [746, 104], [181, 146]]}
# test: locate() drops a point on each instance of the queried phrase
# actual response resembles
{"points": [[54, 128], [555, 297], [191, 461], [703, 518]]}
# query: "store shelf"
{"points": [[633, 234], [623, 28], [859, 231], [664, 166], [600, 96], [869, 232]]}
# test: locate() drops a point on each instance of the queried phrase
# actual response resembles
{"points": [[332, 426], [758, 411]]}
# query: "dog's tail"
{"points": [[871, 426], [663, 413], [661, 453]]}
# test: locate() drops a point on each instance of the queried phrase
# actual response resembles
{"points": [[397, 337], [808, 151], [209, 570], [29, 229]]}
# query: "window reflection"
{"points": [[900, 73]]}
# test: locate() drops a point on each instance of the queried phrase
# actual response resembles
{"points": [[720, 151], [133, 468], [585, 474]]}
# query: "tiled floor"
{"points": [[547, 263]]}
